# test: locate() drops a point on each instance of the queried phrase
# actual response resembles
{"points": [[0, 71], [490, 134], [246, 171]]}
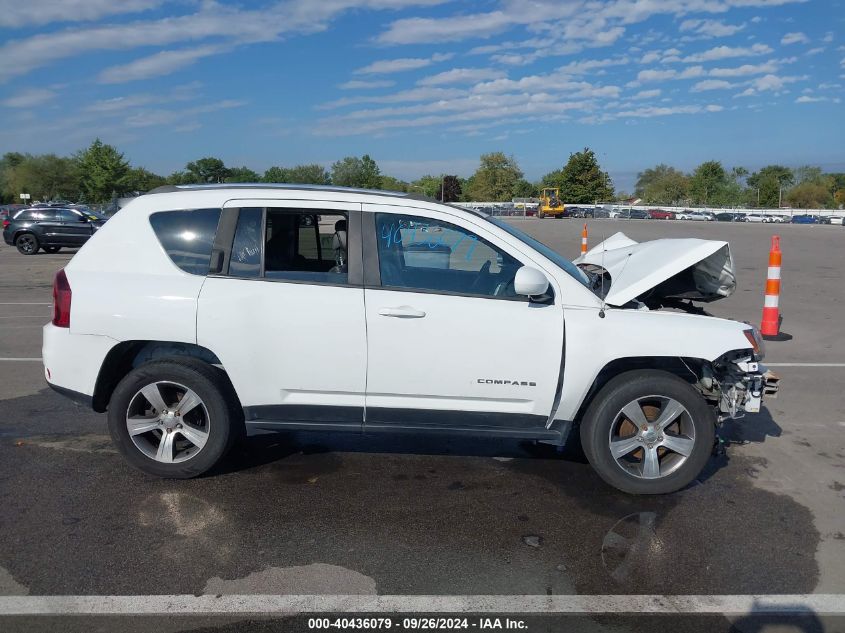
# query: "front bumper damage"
{"points": [[738, 385], [746, 394]]}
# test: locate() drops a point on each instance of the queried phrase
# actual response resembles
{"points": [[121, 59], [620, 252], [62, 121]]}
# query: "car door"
{"points": [[47, 225], [449, 343], [75, 227], [283, 310]]}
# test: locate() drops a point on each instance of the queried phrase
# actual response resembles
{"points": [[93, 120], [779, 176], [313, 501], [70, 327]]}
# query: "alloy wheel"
{"points": [[167, 422], [651, 437]]}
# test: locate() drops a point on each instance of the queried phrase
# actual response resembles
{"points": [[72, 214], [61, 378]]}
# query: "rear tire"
{"points": [[184, 417], [27, 244], [643, 458]]}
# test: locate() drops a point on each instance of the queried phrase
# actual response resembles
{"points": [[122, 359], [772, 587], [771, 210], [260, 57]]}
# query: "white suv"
{"points": [[198, 314]]}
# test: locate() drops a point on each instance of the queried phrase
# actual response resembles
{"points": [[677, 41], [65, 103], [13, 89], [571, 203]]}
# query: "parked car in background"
{"points": [[757, 218], [777, 219], [831, 219], [50, 229], [804, 219], [697, 216], [639, 214], [660, 214], [729, 217]]}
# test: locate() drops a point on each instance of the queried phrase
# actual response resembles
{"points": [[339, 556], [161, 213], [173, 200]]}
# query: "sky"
{"points": [[426, 86]]}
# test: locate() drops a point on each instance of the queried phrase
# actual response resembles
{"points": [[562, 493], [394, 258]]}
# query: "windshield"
{"points": [[571, 269]]}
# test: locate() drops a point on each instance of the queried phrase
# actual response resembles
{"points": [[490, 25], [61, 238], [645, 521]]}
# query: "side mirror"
{"points": [[530, 282]]}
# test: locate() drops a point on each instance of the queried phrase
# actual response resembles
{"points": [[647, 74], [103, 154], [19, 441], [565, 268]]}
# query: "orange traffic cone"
{"points": [[584, 239], [771, 312]]}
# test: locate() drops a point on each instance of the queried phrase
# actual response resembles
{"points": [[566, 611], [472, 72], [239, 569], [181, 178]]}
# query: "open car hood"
{"points": [[660, 270]]}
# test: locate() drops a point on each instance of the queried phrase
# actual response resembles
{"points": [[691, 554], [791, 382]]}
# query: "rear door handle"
{"points": [[402, 312]]}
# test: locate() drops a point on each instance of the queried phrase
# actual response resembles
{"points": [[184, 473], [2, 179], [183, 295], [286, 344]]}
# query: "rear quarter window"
{"points": [[187, 237]]}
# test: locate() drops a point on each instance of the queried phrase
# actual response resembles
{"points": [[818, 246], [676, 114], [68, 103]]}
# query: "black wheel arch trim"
{"points": [[127, 355], [683, 367]]}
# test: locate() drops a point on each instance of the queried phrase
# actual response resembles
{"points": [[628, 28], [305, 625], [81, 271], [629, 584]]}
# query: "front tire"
{"points": [[27, 244], [648, 432], [174, 419]]}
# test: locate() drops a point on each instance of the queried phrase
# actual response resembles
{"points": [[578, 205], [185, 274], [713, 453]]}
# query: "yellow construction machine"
{"points": [[550, 203]]}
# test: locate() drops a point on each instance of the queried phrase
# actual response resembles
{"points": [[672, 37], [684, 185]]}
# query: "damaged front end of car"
{"points": [[737, 382]]}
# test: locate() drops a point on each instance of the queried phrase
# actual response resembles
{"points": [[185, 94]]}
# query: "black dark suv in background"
{"points": [[50, 228]]}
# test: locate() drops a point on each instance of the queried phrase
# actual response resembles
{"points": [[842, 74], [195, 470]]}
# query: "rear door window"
{"points": [[306, 246], [187, 237]]}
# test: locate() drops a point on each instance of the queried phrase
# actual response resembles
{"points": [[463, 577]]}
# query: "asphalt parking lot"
{"points": [[346, 514]]}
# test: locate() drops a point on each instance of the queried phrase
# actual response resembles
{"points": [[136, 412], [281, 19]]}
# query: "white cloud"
{"points": [[28, 98], [656, 75], [461, 75], [711, 84], [773, 82], [211, 20], [828, 37], [158, 64], [745, 69], [423, 93], [815, 51], [650, 57], [806, 99], [692, 72], [647, 94], [184, 117], [711, 28], [117, 105], [756, 19], [653, 111], [358, 84], [724, 52], [794, 38], [385, 66], [33, 12]]}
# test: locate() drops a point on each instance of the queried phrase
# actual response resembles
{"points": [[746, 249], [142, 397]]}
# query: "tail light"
{"points": [[6, 223], [61, 300]]}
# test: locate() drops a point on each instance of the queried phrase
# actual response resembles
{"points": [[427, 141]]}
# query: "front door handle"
{"points": [[402, 312]]}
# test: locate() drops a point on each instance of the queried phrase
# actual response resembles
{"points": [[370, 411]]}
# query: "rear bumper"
{"points": [[79, 398], [72, 362]]}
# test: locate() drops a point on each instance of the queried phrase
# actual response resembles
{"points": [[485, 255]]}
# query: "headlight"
{"points": [[756, 341]]}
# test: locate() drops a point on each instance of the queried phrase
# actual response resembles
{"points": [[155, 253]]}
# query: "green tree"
{"points": [[361, 172], [103, 172], [707, 183], [662, 185], [312, 174], [389, 183], [428, 185], [206, 170], [809, 195], [496, 178], [581, 180], [766, 184], [180, 178], [140, 179], [525, 189], [808, 173], [242, 174]]}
